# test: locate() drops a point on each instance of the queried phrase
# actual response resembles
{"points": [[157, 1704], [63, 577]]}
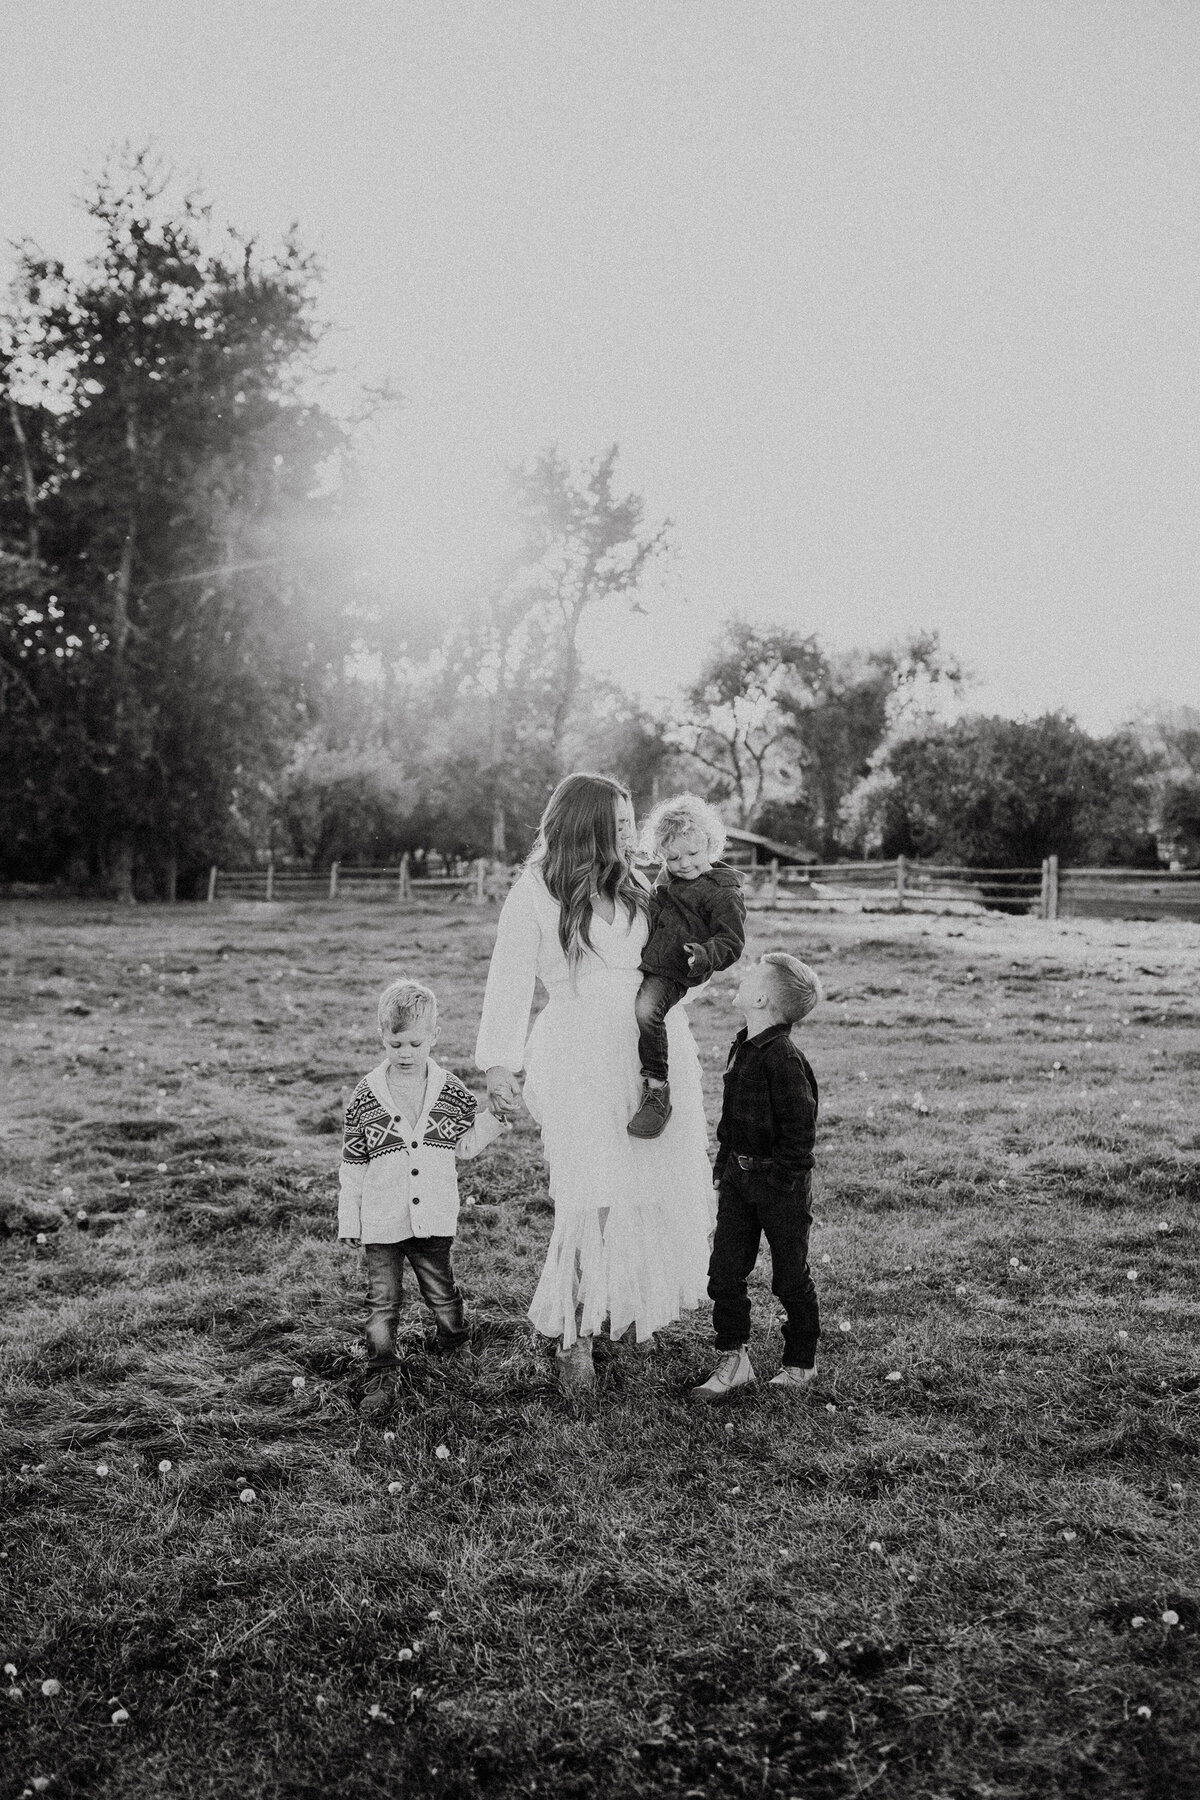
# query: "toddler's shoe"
{"points": [[732, 1372], [796, 1379], [576, 1370], [653, 1113], [377, 1396]]}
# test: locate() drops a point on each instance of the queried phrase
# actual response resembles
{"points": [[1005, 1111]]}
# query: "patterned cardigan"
{"points": [[398, 1177]]}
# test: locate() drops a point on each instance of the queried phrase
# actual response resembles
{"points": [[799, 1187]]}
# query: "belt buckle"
{"points": [[744, 1162]]}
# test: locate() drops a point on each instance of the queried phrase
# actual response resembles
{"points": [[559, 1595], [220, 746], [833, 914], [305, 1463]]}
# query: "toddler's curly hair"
{"points": [[685, 812]]}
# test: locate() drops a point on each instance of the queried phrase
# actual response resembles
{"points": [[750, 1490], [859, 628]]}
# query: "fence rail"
{"points": [[1046, 892]]}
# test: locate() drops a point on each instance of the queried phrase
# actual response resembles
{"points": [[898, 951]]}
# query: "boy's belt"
{"points": [[752, 1162]]}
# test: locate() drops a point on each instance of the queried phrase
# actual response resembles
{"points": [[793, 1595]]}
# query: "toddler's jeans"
{"points": [[430, 1259], [655, 998], [747, 1208]]}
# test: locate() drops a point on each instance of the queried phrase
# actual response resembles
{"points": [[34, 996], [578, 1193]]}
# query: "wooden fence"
{"points": [[1047, 892]]}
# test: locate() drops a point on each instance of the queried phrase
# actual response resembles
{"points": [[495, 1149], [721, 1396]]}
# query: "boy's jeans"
{"points": [[655, 998], [747, 1206], [430, 1258]]}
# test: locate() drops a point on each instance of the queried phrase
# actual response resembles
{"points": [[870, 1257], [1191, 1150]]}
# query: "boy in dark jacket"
{"points": [[697, 926], [763, 1174]]}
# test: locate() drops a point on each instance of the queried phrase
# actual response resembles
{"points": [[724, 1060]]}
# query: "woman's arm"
{"points": [[508, 997]]}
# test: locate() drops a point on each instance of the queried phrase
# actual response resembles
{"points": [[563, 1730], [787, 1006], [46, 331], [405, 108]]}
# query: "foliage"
{"points": [[160, 468], [1004, 793], [734, 726], [1179, 813]]}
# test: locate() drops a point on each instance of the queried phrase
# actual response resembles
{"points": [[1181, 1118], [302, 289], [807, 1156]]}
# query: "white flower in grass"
{"points": [[164, 1467], [1131, 1274], [121, 1716], [404, 1655], [320, 1703], [893, 1375], [819, 1655], [10, 1670], [1162, 1225], [1143, 1712], [826, 1258], [435, 1614], [389, 1437], [298, 1382], [442, 1453], [162, 1168], [68, 1192], [961, 1288], [1123, 1336], [843, 1324], [1170, 1617], [1068, 1537], [51, 1688], [247, 1496], [729, 1429], [1137, 1621], [395, 1487], [40, 1783], [102, 1470], [875, 1547], [41, 1238], [829, 1406]]}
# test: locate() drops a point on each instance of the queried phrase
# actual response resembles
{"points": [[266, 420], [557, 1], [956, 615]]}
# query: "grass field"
{"points": [[967, 1565]]}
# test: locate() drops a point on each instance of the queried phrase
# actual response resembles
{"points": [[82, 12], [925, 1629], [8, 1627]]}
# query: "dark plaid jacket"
{"points": [[770, 1106], [706, 915]]}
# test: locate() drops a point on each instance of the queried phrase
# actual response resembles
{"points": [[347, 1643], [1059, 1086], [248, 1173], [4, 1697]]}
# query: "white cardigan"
{"points": [[398, 1177]]}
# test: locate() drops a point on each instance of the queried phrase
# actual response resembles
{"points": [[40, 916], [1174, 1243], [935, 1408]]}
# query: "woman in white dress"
{"points": [[632, 1216]]}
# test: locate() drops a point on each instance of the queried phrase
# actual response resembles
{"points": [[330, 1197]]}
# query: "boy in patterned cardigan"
{"points": [[406, 1124]]}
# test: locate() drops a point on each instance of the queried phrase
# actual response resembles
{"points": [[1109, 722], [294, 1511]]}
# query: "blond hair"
{"points": [[797, 987], [405, 1003], [672, 818]]}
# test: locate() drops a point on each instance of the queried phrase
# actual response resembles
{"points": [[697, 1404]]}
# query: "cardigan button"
{"points": [[415, 1201]]}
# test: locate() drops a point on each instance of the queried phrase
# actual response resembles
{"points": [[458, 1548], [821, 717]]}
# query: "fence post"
{"points": [[1044, 898], [212, 883], [333, 875], [271, 879], [774, 881], [480, 876], [901, 877], [1052, 887], [405, 891]]}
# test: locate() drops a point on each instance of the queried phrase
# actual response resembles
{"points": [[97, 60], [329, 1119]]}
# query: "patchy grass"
{"points": [[923, 1580]]}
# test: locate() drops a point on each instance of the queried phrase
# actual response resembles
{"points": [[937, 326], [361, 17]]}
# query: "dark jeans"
{"points": [[430, 1259], [655, 998], [747, 1206]]}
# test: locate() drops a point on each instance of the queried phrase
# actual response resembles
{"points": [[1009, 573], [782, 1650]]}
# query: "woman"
{"points": [[632, 1217]]}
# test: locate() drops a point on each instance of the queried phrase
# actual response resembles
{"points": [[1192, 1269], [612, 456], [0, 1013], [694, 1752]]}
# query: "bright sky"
{"points": [[891, 307]]}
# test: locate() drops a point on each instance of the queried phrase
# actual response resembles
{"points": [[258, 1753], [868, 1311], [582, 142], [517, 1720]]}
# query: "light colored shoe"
{"points": [[792, 1377], [576, 1370], [732, 1372]]}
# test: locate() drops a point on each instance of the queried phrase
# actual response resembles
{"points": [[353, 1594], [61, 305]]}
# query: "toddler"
{"points": [[407, 1122], [697, 926], [763, 1174]]}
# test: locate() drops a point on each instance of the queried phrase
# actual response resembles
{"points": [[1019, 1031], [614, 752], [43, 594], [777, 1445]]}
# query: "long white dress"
{"points": [[632, 1216]]}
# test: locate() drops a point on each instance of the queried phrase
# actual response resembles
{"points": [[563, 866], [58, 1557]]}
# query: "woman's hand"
{"points": [[503, 1092]]}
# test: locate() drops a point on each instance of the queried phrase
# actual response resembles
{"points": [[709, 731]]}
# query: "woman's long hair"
{"points": [[577, 852]]}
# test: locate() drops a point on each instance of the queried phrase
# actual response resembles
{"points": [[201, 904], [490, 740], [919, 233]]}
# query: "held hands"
{"points": [[504, 1093]]}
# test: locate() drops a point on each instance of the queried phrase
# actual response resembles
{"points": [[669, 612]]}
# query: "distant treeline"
{"points": [[195, 667]]}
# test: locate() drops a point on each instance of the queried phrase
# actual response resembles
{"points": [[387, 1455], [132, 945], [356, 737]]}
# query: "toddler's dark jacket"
{"points": [[706, 915], [770, 1106]]}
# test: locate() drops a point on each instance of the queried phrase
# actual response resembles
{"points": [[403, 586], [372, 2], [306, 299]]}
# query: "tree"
{"points": [[838, 710], [735, 726], [1004, 793], [579, 545], [160, 465]]}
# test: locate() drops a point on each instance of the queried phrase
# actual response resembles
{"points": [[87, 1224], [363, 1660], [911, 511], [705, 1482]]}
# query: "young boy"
{"points": [[406, 1123], [763, 1174], [697, 926]]}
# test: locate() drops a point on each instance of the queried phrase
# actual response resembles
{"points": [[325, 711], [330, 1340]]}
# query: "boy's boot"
{"points": [[793, 1378], [654, 1111], [576, 1370], [732, 1372]]}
